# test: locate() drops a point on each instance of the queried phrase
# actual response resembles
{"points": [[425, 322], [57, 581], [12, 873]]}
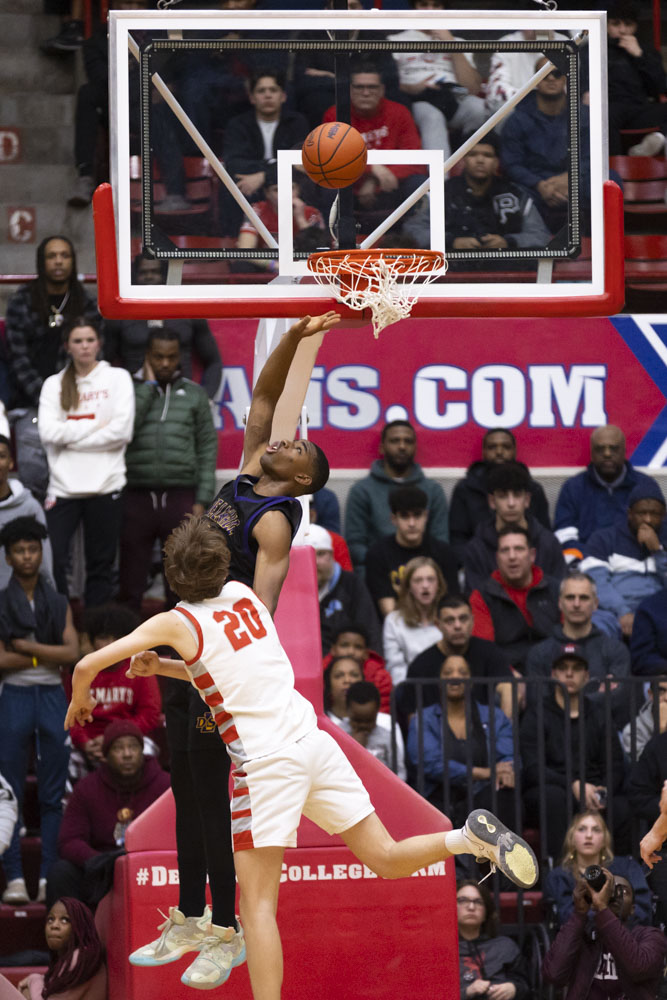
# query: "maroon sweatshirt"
{"points": [[619, 961], [92, 812]]}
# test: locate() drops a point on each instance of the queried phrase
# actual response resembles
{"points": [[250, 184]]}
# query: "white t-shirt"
{"points": [[268, 130], [243, 674]]}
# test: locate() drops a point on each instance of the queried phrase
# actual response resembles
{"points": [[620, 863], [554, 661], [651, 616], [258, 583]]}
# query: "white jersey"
{"points": [[243, 674]]}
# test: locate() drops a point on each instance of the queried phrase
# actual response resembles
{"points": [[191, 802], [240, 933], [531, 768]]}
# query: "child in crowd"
{"points": [[363, 712], [283, 765], [76, 967], [17, 501], [352, 640]]}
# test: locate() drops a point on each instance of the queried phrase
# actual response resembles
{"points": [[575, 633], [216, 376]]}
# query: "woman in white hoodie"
{"points": [[85, 421]]}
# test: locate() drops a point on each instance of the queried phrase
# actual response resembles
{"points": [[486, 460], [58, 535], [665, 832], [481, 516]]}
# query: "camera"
{"points": [[595, 877]]}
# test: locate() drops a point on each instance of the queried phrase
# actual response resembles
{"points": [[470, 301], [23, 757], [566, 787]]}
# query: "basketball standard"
{"points": [[578, 272]]}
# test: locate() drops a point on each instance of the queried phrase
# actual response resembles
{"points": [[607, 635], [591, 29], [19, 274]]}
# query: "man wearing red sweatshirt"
{"points": [[100, 809], [600, 956], [118, 696], [517, 606], [384, 124]]}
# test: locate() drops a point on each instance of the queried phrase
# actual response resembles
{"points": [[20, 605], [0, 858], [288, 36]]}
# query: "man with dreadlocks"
{"points": [[35, 317]]}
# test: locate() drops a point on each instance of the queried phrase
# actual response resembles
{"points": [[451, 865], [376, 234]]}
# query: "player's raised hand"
{"points": [[144, 664], [80, 709], [310, 325]]}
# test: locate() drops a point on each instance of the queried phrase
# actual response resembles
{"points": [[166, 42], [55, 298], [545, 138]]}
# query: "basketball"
{"points": [[334, 155]]}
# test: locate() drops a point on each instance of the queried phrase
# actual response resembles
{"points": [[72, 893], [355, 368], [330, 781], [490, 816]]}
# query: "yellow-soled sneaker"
{"points": [[490, 840]]}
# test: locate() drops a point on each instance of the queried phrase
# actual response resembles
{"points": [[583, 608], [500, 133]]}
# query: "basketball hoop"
{"points": [[379, 280]]}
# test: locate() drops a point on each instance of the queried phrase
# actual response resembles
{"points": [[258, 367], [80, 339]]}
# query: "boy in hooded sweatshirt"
{"points": [[17, 501]]}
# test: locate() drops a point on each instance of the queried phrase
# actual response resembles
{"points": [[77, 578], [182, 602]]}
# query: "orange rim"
{"points": [[405, 261]]}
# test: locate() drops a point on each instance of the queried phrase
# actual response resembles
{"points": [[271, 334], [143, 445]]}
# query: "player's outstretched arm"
{"points": [[165, 629], [271, 382]]}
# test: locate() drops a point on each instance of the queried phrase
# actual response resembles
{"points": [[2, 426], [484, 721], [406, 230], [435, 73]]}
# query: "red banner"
{"points": [[549, 381]]}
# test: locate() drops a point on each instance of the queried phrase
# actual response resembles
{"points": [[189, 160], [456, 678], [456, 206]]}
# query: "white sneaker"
{"points": [[490, 840], [180, 934], [41, 891], [651, 145], [214, 963], [15, 892]]}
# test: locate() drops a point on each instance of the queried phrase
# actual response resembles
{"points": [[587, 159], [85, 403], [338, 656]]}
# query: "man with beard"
{"points": [[598, 496], [36, 313], [368, 514]]}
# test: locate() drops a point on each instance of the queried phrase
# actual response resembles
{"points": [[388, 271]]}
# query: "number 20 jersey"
{"points": [[244, 675]]}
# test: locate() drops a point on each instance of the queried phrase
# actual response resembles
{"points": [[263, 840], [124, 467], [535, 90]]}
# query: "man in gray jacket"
{"points": [[368, 514], [170, 461]]}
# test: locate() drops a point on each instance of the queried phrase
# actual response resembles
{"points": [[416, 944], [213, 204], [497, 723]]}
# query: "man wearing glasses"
{"points": [[384, 124]]}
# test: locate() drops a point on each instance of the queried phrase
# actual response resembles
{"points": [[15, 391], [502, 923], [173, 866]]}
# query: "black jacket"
{"points": [[511, 630], [470, 506], [479, 554], [348, 600], [553, 735], [647, 777], [244, 145]]}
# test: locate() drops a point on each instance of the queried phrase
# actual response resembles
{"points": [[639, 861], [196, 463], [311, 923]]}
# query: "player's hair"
{"points": [[350, 627], [512, 529], [22, 529], [364, 66], [577, 575], [270, 71], [406, 604], [498, 430], [162, 333], [569, 858], [109, 621], [454, 601], [490, 926], [361, 692], [326, 677], [407, 500], [69, 393], [196, 559], [508, 476], [81, 957], [396, 423], [320, 467], [623, 10]]}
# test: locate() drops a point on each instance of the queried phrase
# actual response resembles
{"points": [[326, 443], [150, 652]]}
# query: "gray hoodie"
{"points": [[21, 503], [644, 731]]}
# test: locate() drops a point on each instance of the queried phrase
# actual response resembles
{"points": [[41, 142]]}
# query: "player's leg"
{"points": [[483, 836], [258, 871]]}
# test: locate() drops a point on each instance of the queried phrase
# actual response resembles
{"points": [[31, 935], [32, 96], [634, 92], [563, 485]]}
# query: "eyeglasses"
{"points": [[555, 74], [469, 901]]}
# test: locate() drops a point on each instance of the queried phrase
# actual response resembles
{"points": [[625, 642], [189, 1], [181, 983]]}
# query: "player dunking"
{"points": [[259, 517], [283, 765]]}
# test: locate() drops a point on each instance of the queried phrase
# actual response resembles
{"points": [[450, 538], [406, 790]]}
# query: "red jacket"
{"points": [[392, 127], [629, 957], [120, 697], [374, 671], [91, 814]]}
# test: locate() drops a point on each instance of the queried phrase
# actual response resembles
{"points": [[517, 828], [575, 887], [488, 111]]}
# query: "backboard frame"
{"points": [[120, 298]]}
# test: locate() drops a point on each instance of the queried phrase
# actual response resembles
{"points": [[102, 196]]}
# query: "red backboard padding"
{"points": [[345, 932]]}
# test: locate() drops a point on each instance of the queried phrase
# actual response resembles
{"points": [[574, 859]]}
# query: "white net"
{"points": [[380, 280]]}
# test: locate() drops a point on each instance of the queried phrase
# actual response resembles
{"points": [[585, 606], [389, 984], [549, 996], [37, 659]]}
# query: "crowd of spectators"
{"points": [[477, 650]]}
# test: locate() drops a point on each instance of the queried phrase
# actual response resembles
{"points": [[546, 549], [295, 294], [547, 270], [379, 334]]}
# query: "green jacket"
{"points": [[174, 443]]}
